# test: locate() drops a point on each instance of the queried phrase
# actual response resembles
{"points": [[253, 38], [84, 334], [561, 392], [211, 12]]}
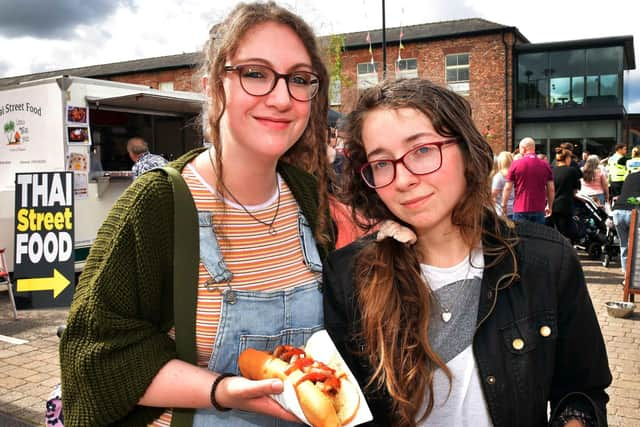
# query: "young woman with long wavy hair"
{"points": [[472, 319], [264, 228]]}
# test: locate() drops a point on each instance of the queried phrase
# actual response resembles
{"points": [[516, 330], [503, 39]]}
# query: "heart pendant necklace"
{"points": [[445, 312]]}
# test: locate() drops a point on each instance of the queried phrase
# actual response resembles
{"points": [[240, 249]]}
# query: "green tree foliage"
{"points": [[336, 49]]}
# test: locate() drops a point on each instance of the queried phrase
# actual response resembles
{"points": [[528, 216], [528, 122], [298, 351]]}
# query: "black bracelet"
{"points": [[569, 414], [214, 386]]}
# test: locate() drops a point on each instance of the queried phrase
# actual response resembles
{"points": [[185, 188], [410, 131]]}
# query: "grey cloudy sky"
{"points": [[43, 35]]}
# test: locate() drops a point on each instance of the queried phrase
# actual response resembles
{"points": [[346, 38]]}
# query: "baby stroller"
{"points": [[596, 233]]}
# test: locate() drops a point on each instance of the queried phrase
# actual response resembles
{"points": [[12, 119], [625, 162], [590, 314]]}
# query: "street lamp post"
{"points": [[384, 45]]}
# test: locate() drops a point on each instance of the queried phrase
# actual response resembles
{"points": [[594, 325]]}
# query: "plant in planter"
{"points": [[9, 131]]}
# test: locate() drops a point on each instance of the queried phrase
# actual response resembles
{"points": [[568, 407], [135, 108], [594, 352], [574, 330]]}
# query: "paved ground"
{"points": [[29, 371]]}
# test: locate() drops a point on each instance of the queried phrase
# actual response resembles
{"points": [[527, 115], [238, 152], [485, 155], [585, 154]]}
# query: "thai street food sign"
{"points": [[44, 228]]}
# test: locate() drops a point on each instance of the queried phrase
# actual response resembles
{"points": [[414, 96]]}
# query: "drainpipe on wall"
{"points": [[506, 94]]}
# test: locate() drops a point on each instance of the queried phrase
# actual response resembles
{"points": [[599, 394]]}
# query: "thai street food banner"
{"points": [[44, 227], [31, 120]]}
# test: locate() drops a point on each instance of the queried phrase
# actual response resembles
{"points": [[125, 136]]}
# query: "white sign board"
{"points": [[31, 122]]}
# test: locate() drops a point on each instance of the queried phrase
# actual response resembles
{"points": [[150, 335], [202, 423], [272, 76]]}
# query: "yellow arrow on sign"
{"points": [[57, 284]]}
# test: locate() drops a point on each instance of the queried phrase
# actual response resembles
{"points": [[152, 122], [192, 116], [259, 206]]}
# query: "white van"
{"points": [[82, 125]]}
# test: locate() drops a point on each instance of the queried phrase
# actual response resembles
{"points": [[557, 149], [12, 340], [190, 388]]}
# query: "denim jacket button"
{"points": [[491, 380], [518, 344], [545, 331]]}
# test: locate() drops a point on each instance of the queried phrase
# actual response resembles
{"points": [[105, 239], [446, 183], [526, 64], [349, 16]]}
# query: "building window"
{"points": [[533, 81], [367, 75], [165, 86], [575, 78], [457, 73], [406, 68], [335, 92]]}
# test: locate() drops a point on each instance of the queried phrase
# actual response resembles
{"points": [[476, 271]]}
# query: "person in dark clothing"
{"points": [[622, 213], [573, 158], [460, 317], [566, 180]]}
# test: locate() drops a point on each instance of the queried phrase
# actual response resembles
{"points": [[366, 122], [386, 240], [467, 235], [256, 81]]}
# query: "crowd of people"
{"points": [[545, 193], [446, 312]]}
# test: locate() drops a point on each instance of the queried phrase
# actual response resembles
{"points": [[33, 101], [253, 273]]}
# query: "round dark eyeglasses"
{"points": [[421, 160], [260, 80]]}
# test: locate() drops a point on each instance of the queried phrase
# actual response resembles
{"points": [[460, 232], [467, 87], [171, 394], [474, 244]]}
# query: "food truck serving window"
{"points": [[154, 104], [170, 126]]}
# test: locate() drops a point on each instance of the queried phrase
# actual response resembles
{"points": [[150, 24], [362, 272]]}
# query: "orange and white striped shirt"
{"points": [[259, 260]]}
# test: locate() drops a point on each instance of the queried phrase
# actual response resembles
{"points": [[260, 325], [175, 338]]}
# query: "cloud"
{"points": [[341, 16], [43, 19], [632, 91]]}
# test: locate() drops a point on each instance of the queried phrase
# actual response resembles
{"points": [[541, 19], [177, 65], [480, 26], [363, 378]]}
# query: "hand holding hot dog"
{"points": [[326, 396], [253, 396]]}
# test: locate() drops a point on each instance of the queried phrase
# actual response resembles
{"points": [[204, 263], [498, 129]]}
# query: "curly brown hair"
{"points": [[395, 308], [309, 152]]}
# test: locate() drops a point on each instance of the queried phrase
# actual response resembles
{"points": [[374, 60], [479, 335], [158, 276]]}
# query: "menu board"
{"points": [[632, 273]]}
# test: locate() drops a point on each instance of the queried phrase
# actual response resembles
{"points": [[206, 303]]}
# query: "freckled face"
{"points": [[265, 126], [424, 201]]}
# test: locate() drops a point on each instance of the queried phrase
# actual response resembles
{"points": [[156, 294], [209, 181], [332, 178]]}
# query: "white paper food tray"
{"points": [[321, 347]]}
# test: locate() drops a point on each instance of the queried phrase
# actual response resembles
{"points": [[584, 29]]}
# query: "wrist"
{"points": [[214, 388]]}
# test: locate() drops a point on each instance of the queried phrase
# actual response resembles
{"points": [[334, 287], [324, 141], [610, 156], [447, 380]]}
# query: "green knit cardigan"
{"points": [[116, 337]]}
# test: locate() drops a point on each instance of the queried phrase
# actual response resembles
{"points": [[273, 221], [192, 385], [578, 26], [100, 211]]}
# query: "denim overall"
{"points": [[253, 319]]}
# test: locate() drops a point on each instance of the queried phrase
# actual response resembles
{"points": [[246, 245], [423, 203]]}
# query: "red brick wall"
{"points": [[182, 78], [487, 87], [487, 71]]}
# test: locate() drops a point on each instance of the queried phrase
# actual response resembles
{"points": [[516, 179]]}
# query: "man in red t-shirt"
{"points": [[533, 182]]}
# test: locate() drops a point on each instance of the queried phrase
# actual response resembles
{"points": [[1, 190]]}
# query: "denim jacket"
{"points": [[537, 338]]}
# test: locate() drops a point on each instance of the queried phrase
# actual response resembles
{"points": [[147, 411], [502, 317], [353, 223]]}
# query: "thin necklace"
{"points": [[272, 229], [445, 312]]}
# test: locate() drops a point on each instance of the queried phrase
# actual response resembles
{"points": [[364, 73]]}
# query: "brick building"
{"points": [[471, 56], [484, 61], [173, 72]]}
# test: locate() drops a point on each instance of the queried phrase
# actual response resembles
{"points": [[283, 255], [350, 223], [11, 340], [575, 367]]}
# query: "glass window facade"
{"points": [[570, 78]]}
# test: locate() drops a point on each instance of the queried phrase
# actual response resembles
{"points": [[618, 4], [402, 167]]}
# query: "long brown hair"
{"points": [[395, 306], [590, 168], [309, 152]]}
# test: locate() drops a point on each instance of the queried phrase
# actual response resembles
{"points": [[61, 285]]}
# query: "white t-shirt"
{"points": [[458, 290]]}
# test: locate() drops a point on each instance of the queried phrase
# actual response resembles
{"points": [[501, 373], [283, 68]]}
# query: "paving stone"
{"points": [[22, 373], [11, 382], [23, 396]]}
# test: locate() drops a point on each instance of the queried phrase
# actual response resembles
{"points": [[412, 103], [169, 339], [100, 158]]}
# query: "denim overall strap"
{"points": [[308, 244], [210, 253]]}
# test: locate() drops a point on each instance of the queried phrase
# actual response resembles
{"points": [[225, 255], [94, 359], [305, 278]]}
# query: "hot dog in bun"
{"points": [[326, 396]]}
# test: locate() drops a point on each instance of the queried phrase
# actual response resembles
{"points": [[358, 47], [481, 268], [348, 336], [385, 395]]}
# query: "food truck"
{"points": [[82, 125]]}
